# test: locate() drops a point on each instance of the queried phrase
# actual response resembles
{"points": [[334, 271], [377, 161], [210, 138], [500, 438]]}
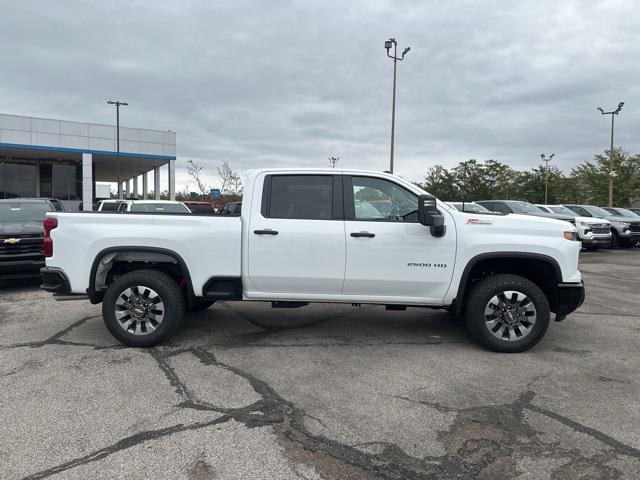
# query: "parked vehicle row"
{"points": [[597, 227]]}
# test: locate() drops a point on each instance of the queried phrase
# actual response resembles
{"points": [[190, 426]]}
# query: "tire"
{"points": [[615, 240], [523, 328], [143, 308], [199, 304]]}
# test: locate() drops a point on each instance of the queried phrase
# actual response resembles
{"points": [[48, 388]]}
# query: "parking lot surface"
{"points": [[323, 392]]}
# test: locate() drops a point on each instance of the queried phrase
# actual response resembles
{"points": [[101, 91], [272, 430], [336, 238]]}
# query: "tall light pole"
{"points": [[612, 174], [118, 104], [333, 160], [388, 45], [546, 174]]}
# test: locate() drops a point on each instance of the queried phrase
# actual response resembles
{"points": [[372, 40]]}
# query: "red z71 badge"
{"points": [[478, 221]]}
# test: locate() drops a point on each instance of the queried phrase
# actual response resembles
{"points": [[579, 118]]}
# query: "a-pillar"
{"points": [[145, 186], [156, 182], [172, 179], [135, 186], [87, 182]]}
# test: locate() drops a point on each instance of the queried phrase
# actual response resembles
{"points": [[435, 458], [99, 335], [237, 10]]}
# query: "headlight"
{"points": [[622, 224], [582, 224]]}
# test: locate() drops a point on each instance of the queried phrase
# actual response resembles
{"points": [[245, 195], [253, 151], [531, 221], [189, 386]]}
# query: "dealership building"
{"points": [[41, 157]]}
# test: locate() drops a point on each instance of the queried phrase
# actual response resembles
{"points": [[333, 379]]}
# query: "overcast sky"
{"points": [[271, 83]]}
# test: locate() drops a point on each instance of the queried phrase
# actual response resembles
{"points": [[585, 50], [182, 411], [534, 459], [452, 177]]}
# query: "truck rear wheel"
{"points": [[143, 308], [507, 313]]}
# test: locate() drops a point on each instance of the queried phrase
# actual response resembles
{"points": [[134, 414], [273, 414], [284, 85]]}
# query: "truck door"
{"points": [[390, 254], [296, 240]]}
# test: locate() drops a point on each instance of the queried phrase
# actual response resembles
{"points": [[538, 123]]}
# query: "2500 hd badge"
{"points": [[434, 265]]}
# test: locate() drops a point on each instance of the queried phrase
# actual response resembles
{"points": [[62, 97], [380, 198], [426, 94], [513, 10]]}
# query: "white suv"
{"points": [[152, 206], [592, 232]]}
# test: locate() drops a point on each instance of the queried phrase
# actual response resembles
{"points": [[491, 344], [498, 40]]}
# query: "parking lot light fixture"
{"points": [[613, 113], [546, 174], [118, 104], [388, 45]]}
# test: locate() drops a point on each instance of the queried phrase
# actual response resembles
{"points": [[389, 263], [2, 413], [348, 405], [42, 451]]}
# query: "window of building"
{"points": [[67, 182], [18, 179]]}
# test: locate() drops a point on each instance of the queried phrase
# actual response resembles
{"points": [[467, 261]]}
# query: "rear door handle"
{"points": [[266, 231], [363, 234]]}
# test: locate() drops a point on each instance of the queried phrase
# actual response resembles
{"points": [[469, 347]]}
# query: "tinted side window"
{"points": [[301, 196]]}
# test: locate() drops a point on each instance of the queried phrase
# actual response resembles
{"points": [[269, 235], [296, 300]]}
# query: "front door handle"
{"points": [[266, 231], [363, 234]]}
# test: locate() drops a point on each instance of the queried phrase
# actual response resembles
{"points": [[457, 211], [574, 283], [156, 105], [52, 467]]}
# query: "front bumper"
{"points": [[20, 266], [54, 280], [604, 239], [570, 297]]}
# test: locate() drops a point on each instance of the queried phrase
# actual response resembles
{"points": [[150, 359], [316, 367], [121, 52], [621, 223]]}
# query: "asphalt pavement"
{"points": [[244, 391]]}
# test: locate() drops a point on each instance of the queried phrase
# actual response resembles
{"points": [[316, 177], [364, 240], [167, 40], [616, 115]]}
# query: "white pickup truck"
{"points": [[320, 235]]}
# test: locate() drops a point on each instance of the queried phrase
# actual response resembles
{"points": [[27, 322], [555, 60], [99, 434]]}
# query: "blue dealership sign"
{"points": [[215, 193]]}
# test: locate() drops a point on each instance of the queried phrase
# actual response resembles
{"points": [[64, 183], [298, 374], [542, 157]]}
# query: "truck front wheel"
{"points": [[507, 313], [143, 308]]}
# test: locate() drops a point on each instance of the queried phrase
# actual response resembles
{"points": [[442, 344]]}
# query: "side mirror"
{"points": [[428, 215]]}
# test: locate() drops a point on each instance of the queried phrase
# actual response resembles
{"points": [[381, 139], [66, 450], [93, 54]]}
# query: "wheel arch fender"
{"points": [[104, 260], [536, 267]]}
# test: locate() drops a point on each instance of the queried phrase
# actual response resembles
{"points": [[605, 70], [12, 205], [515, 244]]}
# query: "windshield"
{"points": [[613, 211], [563, 210], [471, 207], [598, 212], [159, 208], [524, 207], [110, 206], [627, 213], [23, 211]]}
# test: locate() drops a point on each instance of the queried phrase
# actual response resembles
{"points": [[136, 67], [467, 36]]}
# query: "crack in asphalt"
{"points": [[127, 442], [55, 339], [482, 440]]}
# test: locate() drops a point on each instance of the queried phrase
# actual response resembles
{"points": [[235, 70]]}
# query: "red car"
{"points": [[201, 208]]}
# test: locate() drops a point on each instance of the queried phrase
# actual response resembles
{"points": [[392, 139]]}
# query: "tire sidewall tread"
{"points": [[480, 295], [168, 291]]}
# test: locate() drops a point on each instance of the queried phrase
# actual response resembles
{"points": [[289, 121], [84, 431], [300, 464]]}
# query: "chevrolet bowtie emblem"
{"points": [[12, 241]]}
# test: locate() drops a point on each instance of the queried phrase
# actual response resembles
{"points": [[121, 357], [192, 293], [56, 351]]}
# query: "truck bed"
{"points": [[209, 245]]}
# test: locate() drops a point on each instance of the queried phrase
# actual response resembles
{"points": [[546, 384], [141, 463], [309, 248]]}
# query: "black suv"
{"points": [[21, 236]]}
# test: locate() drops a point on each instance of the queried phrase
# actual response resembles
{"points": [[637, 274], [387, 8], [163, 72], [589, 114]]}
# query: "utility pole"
{"points": [[612, 173], [333, 160], [118, 104], [388, 44], [546, 174]]}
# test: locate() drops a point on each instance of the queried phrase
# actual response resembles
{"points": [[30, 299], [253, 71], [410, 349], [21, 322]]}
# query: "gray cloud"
{"points": [[291, 83]]}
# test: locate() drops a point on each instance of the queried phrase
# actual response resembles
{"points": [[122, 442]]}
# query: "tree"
{"points": [[196, 171], [594, 178], [439, 182], [231, 183]]}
